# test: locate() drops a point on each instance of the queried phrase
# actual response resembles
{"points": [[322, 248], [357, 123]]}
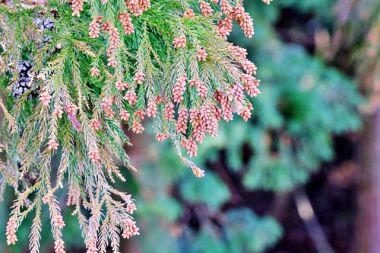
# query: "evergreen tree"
{"points": [[72, 71]]}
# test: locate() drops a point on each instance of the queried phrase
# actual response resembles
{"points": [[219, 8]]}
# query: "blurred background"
{"points": [[300, 177]]}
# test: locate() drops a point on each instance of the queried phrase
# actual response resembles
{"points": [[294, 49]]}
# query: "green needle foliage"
{"points": [[71, 72], [304, 103]]}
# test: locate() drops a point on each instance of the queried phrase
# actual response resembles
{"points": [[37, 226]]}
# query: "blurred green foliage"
{"points": [[303, 104]]}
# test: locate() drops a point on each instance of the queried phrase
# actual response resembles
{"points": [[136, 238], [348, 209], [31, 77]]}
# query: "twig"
{"points": [[306, 212]]}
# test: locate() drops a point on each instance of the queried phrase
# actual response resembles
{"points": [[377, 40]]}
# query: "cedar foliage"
{"points": [[304, 105], [103, 63]]}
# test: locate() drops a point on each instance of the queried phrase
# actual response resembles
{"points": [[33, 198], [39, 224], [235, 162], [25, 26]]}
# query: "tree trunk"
{"points": [[368, 221]]}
